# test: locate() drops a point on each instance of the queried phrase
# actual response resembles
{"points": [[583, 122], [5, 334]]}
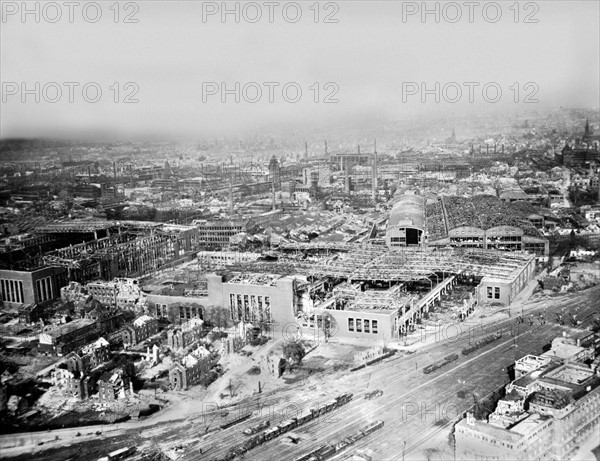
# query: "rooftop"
{"points": [[373, 262], [408, 211], [480, 211], [253, 279], [79, 226]]}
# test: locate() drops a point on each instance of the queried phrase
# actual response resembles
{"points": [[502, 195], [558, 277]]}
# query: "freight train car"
{"points": [[326, 451], [287, 425], [482, 342], [434, 366], [235, 420]]}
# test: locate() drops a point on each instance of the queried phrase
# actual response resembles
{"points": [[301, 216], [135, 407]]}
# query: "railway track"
{"points": [[395, 370], [402, 380]]}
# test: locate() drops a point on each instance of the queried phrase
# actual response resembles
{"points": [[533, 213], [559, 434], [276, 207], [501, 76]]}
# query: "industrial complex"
{"points": [[137, 301]]}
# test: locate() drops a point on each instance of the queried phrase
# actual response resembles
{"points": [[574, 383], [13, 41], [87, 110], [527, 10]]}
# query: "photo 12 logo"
{"points": [[270, 12], [424, 412], [454, 92], [270, 92], [455, 12], [71, 92], [62, 12]]}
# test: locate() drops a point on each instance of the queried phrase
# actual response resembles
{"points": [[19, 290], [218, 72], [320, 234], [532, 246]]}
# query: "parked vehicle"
{"points": [[259, 427], [434, 366], [373, 394]]}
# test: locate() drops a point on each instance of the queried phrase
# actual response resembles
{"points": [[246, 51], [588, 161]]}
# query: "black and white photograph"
{"points": [[348, 230]]}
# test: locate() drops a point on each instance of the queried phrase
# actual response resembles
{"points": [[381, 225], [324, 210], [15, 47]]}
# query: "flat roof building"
{"points": [[547, 413]]}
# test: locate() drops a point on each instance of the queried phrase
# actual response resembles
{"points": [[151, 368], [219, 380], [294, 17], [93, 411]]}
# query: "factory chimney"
{"points": [[359, 149], [347, 179], [115, 170], [325, 147], [231, 210], [116, 189], [305, 151], [374, 173]]}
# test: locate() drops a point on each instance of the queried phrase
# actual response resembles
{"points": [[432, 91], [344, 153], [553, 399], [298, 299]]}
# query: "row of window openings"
{"points": [[12, 291], [495, 294], [221, 228], [240, 306], [363, 326], [189, 312], [506, 240]]}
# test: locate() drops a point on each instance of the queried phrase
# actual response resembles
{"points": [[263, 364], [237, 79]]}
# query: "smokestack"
{"points": [[347, 180], [325, 147], [116, 188], [374, 174], [230, 196], [305, 151], [359, 149]]}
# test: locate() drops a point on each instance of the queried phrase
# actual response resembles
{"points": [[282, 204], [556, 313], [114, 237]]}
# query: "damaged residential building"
{"points": [[183, 336], [123, 293], [188, 371], [71, 384], [88, 357], [140, 329], [64, 338], [71, 378], [114, 385]]}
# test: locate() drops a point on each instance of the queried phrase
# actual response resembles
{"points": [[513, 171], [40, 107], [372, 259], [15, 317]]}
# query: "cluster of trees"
{"points": [[293, 353], [579, 197]]}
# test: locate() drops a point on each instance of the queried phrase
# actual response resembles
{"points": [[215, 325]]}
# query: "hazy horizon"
{"points": [[368, 55]]}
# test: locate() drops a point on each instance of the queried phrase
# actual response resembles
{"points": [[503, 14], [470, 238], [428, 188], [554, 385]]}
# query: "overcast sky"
{"points": [[368, 55]]}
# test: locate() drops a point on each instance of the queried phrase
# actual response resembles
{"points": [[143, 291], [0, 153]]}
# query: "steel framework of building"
{"points": [[373, 263]]}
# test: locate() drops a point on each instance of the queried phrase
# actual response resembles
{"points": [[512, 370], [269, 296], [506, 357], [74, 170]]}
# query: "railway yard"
{"points": [[413, 410]]}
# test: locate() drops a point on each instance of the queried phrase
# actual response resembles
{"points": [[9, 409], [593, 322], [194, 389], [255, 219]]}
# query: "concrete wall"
{"points": [[281, 297], [28, 281], [509, 289], [385, 324]]}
